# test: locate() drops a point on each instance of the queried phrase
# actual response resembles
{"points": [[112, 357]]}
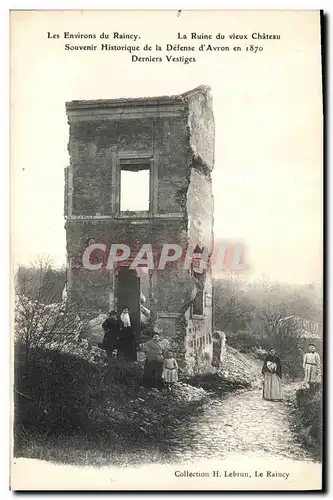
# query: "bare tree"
{"points": [[40, 324], [232, 310], [279, 329], [28, 280], [272, 315]]}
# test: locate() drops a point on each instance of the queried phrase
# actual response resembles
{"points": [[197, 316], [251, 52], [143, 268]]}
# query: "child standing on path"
{"points": [[170, 370]]}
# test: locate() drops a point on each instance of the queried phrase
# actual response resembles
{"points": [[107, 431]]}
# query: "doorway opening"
{"points": [[128, 295]]}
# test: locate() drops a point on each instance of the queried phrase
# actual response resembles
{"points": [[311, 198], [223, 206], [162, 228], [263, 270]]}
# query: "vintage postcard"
{"points": [[166, 229]]}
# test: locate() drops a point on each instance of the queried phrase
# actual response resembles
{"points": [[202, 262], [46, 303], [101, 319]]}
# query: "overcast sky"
{"points": [[267, 179]]}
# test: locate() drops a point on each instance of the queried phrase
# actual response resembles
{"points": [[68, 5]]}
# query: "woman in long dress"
{"points": [[111, 328], [312, 366], [153, 368], [272, 373]]}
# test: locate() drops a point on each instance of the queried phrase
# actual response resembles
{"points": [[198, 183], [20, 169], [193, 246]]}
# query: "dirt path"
{"points": [[242, 424]]}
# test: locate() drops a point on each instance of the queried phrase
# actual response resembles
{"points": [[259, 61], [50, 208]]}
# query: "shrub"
{"points": [[308, 416], [65, 397], [54, 393], [243, 341], [125, 373]]}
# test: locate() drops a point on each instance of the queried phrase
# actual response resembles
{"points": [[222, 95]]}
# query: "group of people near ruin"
{"points": [[119, 335], [160, 368], [272, 373]]}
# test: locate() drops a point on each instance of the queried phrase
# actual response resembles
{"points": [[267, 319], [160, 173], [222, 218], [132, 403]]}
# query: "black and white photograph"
{"points": [[167, 250]]}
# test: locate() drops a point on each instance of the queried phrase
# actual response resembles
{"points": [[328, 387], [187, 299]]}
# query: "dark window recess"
{"points": [[134, 186], [198, 304]]}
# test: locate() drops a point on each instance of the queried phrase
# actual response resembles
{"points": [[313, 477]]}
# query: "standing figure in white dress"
{"points": [[170, 370], [312, 366]]}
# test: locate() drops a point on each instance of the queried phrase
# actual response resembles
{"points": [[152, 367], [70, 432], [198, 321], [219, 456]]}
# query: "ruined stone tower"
{"points": [[140, 173]]}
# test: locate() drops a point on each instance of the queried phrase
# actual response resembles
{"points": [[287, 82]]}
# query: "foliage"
{"points": [[75, 393], [232, 309], [39, 326], [41, 323], [53, 393], [284, 337], [259, 316], [308, 419], [240, 305], [244, 341], [41, 274], [285, 340]]}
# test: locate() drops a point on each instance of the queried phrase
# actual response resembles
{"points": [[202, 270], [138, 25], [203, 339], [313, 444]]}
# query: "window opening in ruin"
{"points": [[198, 303], [134, 186]]}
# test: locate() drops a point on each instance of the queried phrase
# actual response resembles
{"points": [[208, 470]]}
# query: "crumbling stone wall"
{"points": [[200, 210]]}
